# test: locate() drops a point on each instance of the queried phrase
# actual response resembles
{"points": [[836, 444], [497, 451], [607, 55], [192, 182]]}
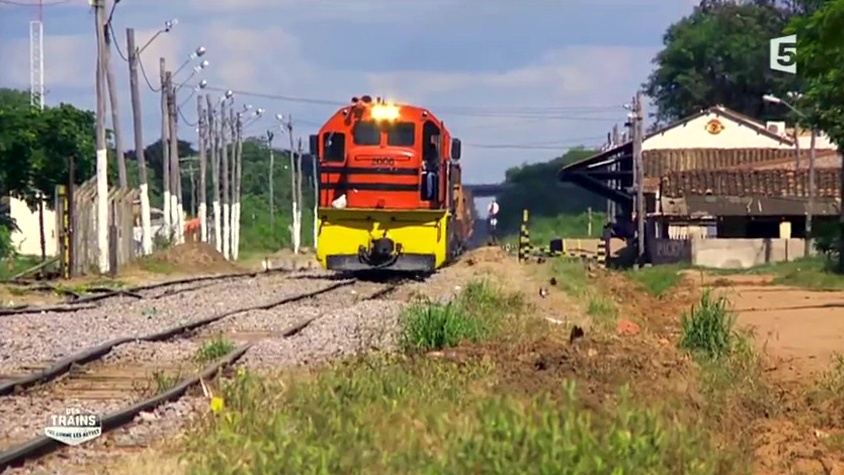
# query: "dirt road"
{"points": [[802, 330]]}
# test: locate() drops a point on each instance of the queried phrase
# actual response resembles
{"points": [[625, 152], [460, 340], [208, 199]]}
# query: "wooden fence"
{"points": [[82, 258]]}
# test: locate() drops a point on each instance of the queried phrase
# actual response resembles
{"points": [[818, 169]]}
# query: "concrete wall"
{"points": [[27, 240], [744, 253]]}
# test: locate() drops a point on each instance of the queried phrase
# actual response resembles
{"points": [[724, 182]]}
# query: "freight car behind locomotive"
{"points": [[390, 190]]}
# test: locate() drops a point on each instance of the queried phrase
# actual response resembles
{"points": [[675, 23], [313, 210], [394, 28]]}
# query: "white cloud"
{"points": [[547, 104]]}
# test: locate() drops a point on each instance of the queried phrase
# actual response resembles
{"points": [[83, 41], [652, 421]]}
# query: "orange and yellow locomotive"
{"points": [[390, 194]]}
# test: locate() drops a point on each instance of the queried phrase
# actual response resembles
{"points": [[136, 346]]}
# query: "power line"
{"points": [[34, 3], [552, 113]]}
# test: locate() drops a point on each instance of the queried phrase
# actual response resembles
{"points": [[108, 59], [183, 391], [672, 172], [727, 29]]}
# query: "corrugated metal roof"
{"points": [[770, 183], [661, 162]]}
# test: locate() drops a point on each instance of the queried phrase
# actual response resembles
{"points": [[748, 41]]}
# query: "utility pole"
{"points": [[175, 173], [315, 171], [231, 178], [203, 141], [238, 172], [138, 127], [224, 176], [165, 145], [214, 143], [114, 101], [637, 123], [807, 251], [295, 230], [299, 172], [270, 137], [102, 153]]}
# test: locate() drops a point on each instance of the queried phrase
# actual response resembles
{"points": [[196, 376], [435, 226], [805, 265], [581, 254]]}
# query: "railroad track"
{"points": [[116, 381], [97, 295]]}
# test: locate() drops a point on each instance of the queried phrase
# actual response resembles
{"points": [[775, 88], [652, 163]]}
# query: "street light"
{"points": [[168, 25], [196, 69], [811, 201], [202, 85], [197, 53]]}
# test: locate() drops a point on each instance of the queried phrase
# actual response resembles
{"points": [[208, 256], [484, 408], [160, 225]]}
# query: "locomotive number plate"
{"points": [[384, 161]]}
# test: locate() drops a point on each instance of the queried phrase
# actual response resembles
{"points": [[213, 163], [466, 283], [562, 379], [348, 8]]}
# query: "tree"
{"points": [[35, 148], [719, 55], [536, 188], [820, 54]]}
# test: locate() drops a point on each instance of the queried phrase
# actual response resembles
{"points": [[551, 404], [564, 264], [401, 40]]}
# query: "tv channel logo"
{"points": [[74, 426], [784, 54]]}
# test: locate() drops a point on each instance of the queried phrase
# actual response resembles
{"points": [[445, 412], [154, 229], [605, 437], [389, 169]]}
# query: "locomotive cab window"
{"points": [[334, 146], [431, 141], [366, 133], [401, 134]]}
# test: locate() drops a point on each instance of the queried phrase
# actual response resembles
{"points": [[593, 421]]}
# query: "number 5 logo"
{"points": [[784, 54]]}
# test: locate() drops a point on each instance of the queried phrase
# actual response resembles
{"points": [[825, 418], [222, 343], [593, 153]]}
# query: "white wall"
{"points": [[694, 134], [28, 239]]}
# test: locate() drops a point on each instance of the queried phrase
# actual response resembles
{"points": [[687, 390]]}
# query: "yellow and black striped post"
{"points": [[64, 242], [524, 238], [602, 252]]}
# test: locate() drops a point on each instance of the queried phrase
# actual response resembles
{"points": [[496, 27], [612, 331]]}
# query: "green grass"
{"points": [[10, 267], [213, 350], [708, 327], [658, 281], [814, 273], [543, 229], [477, 313], [428, 416], [573, 279]]}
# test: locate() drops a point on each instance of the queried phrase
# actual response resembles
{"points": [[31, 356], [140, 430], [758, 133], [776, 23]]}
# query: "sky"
{"points": [[516, 81]]}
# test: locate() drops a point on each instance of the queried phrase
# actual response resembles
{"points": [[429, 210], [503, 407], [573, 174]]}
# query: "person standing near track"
{"points": [[492, 220]]}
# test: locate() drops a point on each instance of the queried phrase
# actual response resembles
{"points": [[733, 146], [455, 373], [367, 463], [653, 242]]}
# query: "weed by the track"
{"points": [[163, 381], [475, 314], [214, 349], [398, 414]]}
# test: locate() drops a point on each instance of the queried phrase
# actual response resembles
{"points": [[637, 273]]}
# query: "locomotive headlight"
{"points": [[384, 112]]}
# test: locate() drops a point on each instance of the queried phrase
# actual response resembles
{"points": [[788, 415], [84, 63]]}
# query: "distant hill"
{"points": [[537, 189]]}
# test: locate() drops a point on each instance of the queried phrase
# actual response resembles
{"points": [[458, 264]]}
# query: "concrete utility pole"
{"points": [[225, 177], [315, 171], [114, 101], [175, 178], [165, 146], [102, 153], [810, 209], [637, 119], [231, 176], [299, 173], [203, 141], [296, 226], [138, 127], [237, 172], [270, 137], [214, 143]]}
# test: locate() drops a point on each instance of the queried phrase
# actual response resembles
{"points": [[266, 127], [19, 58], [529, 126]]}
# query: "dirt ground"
{"points": [[798, 333]]}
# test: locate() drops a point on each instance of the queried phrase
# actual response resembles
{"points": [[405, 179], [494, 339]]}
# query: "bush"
{"points": [[708, 327], [474, 315]]}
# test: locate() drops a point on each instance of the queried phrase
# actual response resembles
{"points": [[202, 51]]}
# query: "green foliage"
{"points": [[719, 55], [708, 327], [475, 314], [657, 280], [387, 414], [214, 349], [535, 187]]}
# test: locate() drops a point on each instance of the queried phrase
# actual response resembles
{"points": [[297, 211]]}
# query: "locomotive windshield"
{"points": [[398, 134]]}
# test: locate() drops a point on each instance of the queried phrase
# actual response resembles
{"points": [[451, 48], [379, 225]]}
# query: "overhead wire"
{"points": [[34, 3], [552, 113]]}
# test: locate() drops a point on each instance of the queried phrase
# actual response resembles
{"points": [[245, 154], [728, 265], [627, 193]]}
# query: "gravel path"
{"points": [[34, 341]]}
